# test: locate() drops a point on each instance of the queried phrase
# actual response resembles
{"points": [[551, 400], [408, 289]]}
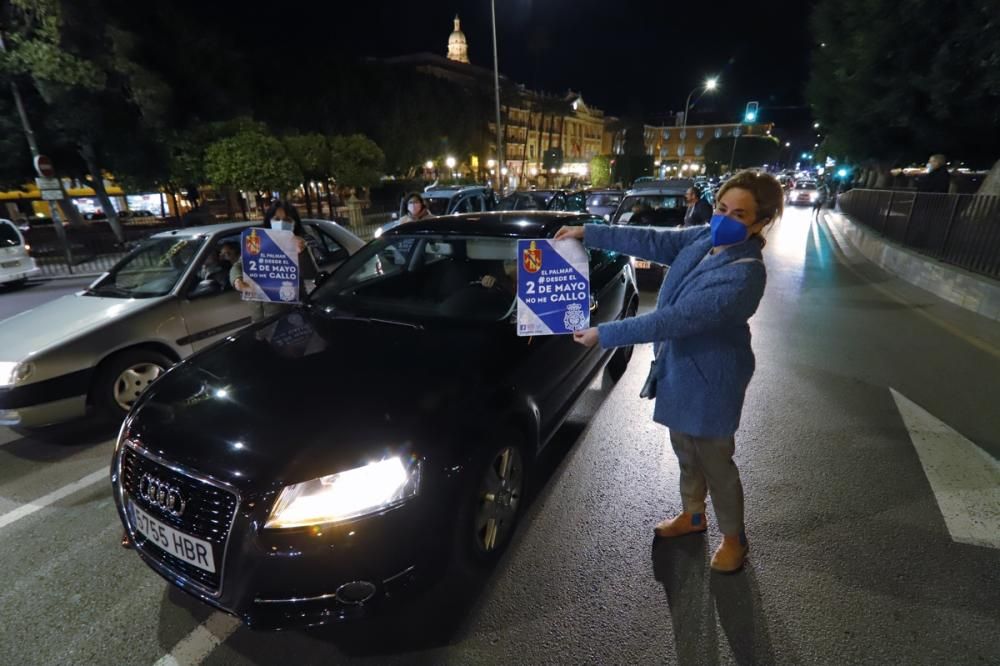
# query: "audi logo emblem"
{"points": [[161, 495]]}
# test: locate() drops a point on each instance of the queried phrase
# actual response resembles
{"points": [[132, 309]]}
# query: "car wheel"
{"points": [[620, 359], [490, 506], [122, 379]]}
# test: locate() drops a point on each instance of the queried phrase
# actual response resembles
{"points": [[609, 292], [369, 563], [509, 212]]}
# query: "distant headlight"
{"points": [[351, 494], [378, 232], [15, 373]]}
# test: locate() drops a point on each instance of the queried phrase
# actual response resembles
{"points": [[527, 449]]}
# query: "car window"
{"points": [[437, 205], [603, 200], [577, 202], [466, 205], [651, 209], [328, 249], [427, 276], [8, 235], [558, 202], [152, 269]]}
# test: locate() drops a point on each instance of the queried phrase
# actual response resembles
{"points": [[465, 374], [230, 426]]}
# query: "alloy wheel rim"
{"points": [[498, 499], [133, 381]]}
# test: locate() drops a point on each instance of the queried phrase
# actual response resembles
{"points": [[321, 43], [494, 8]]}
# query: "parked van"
{"points": [[16, 265]]}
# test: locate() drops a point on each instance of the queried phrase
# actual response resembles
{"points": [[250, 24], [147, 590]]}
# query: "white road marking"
{"points": [[26, 510], [965, 479], [193, 648], [7, 436]]}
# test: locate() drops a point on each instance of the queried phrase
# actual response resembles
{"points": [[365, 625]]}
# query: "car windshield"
{"points": [[152, 269], [526, 201], [437, 205], [8, 235], [603, 200], [651, 209], [805, 185], [451, 277]]}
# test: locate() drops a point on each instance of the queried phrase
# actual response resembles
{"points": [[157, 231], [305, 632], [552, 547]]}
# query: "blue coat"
{"points": [[701, 317]]}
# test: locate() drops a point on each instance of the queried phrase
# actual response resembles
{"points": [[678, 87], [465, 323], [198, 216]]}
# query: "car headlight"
{"points": [[357, 492], [378, 232], [814, 196], [12, 373]]}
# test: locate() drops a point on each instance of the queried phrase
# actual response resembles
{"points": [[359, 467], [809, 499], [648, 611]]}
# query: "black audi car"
{"points": [[306, 469]]}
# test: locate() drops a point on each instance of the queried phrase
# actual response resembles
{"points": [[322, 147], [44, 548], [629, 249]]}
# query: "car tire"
{"points": [[122, 378], [620, 359], [490, 504]]}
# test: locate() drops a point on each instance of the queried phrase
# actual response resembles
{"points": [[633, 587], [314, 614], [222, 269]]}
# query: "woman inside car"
{"points": [[703, 358], [416, 208]]}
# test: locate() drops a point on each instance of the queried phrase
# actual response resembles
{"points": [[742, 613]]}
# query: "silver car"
{"points": [[96, 351]]}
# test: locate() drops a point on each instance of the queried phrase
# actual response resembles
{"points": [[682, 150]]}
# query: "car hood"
{"points": [[30, 332], [307, 395]]}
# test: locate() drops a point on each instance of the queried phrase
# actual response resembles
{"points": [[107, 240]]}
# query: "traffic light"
{"points": [[751, 112]]}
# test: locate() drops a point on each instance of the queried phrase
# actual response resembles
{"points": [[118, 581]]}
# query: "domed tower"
{"points": [[458, 49]]}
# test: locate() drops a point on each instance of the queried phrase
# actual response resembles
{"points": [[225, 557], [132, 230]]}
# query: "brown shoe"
{"points": [[681, 524], [731, 554]]}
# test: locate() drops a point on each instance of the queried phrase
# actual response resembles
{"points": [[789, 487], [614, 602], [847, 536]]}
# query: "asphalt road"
{"points": [[14, 300], [852, 561]]}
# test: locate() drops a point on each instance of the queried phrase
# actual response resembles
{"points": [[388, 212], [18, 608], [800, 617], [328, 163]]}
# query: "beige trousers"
{"points": [[707, 467]]}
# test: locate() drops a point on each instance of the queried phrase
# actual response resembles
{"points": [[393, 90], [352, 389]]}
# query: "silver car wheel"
{"points": [[499, 495], [133, 381]]}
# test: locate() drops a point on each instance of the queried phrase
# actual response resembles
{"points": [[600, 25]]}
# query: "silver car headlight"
{"points": [[357, 492], [814, 196], [14, 373]]}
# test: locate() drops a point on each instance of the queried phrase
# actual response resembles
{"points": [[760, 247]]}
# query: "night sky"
{"points": [[623, 55]]}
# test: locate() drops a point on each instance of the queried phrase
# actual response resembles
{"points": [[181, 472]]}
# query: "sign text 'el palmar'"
{"points": [[553, 287]]}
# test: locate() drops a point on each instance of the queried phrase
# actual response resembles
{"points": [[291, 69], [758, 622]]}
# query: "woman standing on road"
{"points": [[703, 357]]}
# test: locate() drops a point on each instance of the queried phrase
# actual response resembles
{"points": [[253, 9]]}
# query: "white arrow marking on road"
{"points": [[965, 479], [193, 648], [27, 509]]}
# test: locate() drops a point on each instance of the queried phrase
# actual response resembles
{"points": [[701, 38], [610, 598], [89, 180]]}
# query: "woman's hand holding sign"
{"points": [[587, 337], [566, 233]]}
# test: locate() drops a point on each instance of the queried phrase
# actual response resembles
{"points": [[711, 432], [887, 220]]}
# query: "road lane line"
{"points": [[26, 510], [193, 648], [965, 479], [8, 436]]}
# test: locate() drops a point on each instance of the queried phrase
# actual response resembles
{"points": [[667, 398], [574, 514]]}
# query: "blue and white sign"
{"points": [[271, 265], [553, 287]]}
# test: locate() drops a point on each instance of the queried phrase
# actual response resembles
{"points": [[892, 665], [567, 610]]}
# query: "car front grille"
{"points": [[208, 514]]}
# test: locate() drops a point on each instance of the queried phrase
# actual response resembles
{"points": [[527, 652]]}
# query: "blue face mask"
{"points": [[727, 231]]}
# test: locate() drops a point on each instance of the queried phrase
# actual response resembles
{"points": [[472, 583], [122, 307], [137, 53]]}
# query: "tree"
{"points": [[356, 160], [893, 82], [253, 161], [600, 171], [751, 151], [311, 154]]}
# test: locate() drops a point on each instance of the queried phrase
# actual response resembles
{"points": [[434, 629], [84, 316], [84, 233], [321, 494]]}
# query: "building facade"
{"points": [[680, 147]]}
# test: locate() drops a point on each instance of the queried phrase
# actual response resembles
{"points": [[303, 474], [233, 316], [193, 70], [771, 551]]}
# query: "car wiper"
{"points": [[109, 290]]}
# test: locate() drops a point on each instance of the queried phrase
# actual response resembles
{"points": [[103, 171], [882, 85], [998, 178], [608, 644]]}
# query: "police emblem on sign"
{"points": [[253, 243], [574, 318], [532, 259]]}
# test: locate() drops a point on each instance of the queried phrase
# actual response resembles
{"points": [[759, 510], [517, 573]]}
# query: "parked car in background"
{"points": [[94, 352], [602, 203], [448, 200], [803, 193], [655, 204], [16, 265], [314, 467], [554, 200]]}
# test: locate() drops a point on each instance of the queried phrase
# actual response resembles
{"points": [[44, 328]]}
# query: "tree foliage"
{"points": [[253, 161], [896, 80], [356, 160], [600, 171]]}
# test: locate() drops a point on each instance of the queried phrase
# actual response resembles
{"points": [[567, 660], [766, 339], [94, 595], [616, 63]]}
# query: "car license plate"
{"points": [[642, 264], [10, 264], [182, 546]]}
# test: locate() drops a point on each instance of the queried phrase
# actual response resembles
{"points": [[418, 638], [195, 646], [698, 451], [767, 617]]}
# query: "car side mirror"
{"points": [[321, 277], [207, 287]]}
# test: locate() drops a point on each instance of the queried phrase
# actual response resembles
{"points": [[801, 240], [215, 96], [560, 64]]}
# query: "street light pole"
{"points": [[496, 86], [709, 84]]}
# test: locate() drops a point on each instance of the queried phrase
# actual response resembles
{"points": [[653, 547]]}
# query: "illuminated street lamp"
{"points": [[710, 84], [816, 125], [429, 164], [491, 163], [788, 144], [450, 162]]}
